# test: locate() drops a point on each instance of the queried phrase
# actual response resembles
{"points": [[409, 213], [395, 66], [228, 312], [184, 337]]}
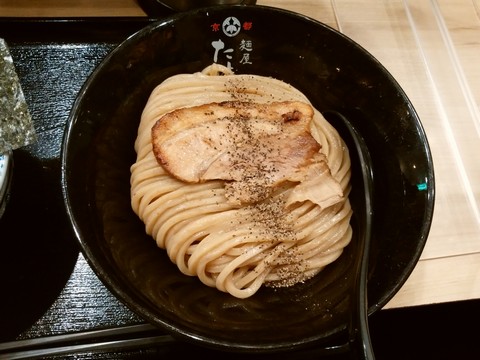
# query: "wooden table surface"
{"points": [[432, 48]]}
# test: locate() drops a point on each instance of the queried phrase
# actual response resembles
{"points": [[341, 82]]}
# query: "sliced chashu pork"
{"points": [[254, 147]]}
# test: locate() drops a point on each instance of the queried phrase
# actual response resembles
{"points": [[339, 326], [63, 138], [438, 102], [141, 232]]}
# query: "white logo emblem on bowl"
{"points": [[231, 26]]}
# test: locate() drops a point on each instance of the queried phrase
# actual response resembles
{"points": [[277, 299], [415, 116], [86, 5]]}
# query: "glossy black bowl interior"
{"points": [[337, 75]]}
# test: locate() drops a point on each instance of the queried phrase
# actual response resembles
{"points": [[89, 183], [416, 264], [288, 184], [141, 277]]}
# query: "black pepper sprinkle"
{"points": [[273, 225]]}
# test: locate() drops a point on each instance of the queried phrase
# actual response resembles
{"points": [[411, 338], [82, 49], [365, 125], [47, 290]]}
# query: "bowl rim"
{"points": [[90, 257], [6, 160]]}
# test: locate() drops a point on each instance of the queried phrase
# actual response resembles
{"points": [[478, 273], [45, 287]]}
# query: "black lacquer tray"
{"points": [[47, 288]]}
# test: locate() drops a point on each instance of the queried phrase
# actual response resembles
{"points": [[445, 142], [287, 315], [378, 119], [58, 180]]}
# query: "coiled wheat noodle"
{"points": [[236, 248]]}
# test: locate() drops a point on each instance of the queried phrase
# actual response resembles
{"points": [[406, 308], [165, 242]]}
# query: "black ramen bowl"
{"points": [[337, 75]]}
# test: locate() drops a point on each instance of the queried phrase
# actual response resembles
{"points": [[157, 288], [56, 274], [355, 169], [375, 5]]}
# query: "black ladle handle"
{"points": [[360, 341]]}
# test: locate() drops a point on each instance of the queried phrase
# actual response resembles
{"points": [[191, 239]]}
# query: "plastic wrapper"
{"points": [[16, 127]]}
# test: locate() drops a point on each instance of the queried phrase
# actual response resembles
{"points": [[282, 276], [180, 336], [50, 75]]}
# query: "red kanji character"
{"points": [[215, 27], [247, 25]]}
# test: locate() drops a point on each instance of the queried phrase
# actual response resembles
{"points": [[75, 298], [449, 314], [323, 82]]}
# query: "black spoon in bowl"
{"points": [[359, 333]]}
